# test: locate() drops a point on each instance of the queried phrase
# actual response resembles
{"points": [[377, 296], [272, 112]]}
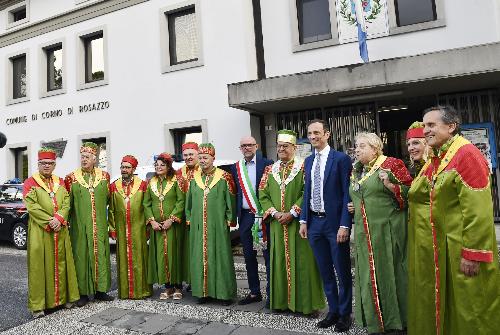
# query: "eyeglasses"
{"points": [[125, 167], [249, 146], [284, 146], [46, 163]]}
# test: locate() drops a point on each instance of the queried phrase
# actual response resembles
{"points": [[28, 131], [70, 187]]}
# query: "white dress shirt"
{"points": [[324, 157]]}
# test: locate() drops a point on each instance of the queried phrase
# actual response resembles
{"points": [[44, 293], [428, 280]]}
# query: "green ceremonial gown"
{"points": [[380, 235], [295, 280], [184, 176], [89, 194], [448, 221], [210, 211], [165, 247], [48, 250], [126, 220]]}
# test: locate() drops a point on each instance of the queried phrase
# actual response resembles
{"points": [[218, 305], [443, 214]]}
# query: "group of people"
{"points": [[425, 248]]}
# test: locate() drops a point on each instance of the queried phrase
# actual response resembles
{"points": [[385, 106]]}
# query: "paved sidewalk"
{"points": [[154, 316]]}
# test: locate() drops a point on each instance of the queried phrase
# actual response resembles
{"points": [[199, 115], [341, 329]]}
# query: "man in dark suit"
{"points": [[326, 222], [247, 174]]}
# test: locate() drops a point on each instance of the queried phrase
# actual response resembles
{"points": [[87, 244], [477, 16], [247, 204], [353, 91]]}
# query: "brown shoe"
{"points": [[167, 294], [177, 294]]}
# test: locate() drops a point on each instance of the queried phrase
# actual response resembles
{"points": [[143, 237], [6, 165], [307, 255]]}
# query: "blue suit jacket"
{"points": [[335, 189], [261, 163]]}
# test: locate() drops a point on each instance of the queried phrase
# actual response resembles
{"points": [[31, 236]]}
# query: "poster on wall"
{"points": [[304, 148], [376, 18], [482, 135]]}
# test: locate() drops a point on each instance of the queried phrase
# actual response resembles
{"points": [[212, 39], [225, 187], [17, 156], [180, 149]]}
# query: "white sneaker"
{"points": [[38, 314], [69, 305]]}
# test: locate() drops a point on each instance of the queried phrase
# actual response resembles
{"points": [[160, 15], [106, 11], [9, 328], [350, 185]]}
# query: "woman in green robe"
{"points": [[126, 219], [417, 147], [163, 209], [378, 190], [49, 245], [295, 280]]}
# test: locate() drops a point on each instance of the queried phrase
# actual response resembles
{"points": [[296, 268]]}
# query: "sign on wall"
{"points": [[376, 18], [482, 135]]}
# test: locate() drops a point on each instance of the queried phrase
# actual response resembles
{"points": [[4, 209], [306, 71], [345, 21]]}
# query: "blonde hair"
{"points": [[427, 152], [373, 141]]}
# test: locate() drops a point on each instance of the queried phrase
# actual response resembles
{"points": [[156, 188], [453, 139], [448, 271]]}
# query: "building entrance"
{"points": [[390, 119]]}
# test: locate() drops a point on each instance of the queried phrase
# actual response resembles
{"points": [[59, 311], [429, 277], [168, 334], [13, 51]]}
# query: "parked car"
{"points": [[13, 215]]}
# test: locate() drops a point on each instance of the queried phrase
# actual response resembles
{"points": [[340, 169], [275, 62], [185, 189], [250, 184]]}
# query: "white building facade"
{"points": [[135, 76], [422, 53], [140, 77]]}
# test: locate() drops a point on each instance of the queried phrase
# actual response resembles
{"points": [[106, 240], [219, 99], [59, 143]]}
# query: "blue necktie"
{"points": [[317, 184]]}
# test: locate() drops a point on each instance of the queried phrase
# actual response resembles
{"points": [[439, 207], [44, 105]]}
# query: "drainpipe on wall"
{"points": [[259, 40]]}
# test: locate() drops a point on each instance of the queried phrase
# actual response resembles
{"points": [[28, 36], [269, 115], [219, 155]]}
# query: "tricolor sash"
{"points": [[258, 231]]}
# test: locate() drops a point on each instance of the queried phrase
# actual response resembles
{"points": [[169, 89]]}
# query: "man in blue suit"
{"points": [[326, 222], [247, 174]]}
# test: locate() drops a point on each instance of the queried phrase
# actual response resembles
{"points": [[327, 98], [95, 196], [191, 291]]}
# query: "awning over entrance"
{"points": [[446, 71]]}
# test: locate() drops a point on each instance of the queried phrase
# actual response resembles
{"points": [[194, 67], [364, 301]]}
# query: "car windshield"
{"points": [[11, 193]]}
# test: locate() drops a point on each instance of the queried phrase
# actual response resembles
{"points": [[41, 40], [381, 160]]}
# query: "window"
{"points": [[17, 14], [92, 59], [409, 15], [313, 20], [183, 135], [411, 12], [313, 24], [176, 134], [20, 155], [102, 156], [54, 68], [52, 75], [180, 42], [183, 43], [19, 77]]}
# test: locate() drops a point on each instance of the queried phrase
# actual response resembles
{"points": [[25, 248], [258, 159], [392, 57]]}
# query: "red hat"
{"points": [[46, 153], [190, 145], [165, 156], [416, 130], [130, 159]]}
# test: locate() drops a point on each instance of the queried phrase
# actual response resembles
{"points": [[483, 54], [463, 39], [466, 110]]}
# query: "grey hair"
{"points": [[449, 115]]}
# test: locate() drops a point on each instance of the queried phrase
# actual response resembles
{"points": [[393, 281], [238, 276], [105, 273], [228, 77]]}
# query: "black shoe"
{"points": [[343, 324], [202, 300], [103, 296], [250, 299], [84, 299], [328, 321]]}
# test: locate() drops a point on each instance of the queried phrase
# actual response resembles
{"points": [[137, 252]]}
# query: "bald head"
{"points": [[248, 147]]}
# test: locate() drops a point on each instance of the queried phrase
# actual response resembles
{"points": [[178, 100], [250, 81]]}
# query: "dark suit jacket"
{"points": [[261, 163], [335, 189]]}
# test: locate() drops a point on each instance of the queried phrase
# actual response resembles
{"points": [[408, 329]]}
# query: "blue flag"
{"points": [[360, 18]]}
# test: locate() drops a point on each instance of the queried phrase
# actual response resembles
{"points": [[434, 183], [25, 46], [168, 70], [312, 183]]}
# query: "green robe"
{"points": [[89, 229], [165, 247], [185, 175], [48, 250], [295, 280], [380, 236], [210, 213], [441, 299], [126, 219]]}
